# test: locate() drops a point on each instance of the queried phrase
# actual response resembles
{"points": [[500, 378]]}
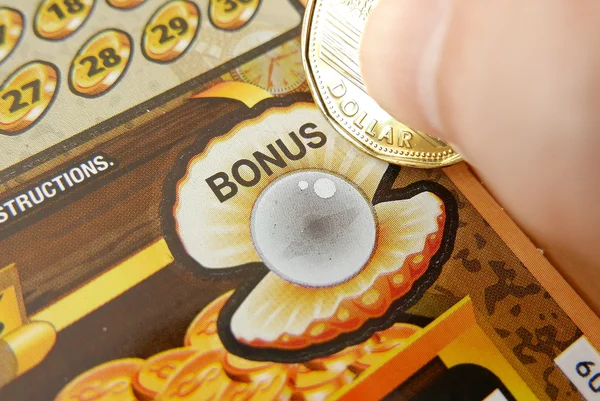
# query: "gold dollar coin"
{"points": [[331, 36]]}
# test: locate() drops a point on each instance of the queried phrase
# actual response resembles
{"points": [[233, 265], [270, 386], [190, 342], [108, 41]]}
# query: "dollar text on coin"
{"points": [[331, 36]]}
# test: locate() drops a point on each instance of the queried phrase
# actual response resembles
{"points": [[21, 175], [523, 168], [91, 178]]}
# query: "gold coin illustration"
{"points": [[124, 4], [100, 63], [11, 30], [170, 31], [156, 372], [26, 95], [57, 19], [330, 38], [201, 378], [230, 15], [108, 382], [383, 344], [202, 332]]}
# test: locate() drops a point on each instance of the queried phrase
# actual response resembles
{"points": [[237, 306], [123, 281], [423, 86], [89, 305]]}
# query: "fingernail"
{"points": [[400, 54]]}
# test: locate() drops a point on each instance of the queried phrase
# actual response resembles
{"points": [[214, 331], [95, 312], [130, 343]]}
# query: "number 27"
{"points": [[17, 95]]}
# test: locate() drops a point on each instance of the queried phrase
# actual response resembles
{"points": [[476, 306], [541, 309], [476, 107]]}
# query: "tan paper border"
{"points": [[552, 281]]}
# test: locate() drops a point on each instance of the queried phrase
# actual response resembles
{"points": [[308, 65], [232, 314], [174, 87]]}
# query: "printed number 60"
{"points": [[584, 370]]}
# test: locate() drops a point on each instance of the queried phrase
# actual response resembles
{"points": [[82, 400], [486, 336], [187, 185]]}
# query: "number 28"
{"points": [[108, 57]]}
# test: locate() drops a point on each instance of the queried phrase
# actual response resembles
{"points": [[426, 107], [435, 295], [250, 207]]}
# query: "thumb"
{"points": [[512, 85]]}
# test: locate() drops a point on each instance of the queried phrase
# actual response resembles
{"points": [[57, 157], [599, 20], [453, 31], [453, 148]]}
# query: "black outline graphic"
{"points": [[256, 271], [189, 46]]}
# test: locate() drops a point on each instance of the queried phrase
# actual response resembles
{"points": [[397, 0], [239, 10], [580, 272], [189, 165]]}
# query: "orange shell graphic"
{"points": [[275, 319], [276, 301]]}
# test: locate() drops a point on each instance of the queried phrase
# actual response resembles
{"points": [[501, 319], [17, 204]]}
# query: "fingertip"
{"points": [[395, 60]]}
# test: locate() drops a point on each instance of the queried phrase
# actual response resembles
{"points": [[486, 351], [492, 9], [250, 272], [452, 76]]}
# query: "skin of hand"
{"points": [[514, 86]]}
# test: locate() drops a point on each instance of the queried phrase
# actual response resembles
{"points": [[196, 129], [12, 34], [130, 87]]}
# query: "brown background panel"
{"points": [[154, 315], [66, 243], [151, 317], [515, 311]]}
